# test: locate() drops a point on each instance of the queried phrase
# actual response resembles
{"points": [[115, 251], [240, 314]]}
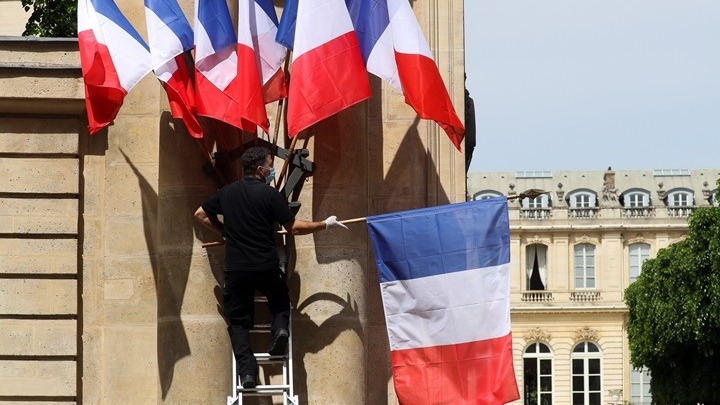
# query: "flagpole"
{"points": [[278, 115], [532, 193]]}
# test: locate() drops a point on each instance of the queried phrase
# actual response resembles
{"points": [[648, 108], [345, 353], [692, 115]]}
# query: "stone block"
{"points": [[39, 136], [38, 337], [129, 291], [34, 86], [94, 185], [134, 141], [38, 175], [37, 378], [34, 264], [131, 191], [38, 297], [45, 247], [128, 236]]}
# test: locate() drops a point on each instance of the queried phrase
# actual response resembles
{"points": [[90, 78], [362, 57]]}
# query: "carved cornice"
{"points": [[586, 333], [585, 239], [639, 238], [537, 334]]}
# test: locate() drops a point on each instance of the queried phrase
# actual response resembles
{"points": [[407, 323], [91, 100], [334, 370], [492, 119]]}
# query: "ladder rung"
{"points": [[268, 357], [265, 389]]}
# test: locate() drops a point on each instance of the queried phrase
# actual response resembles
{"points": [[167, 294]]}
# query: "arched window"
{"points": [[586, 374], [640, 387], [639, 252], [481, 195], [541, 201], [582, 199], [537, 375], [636, 198], [680, 198], [536, 268], [584, 266]]}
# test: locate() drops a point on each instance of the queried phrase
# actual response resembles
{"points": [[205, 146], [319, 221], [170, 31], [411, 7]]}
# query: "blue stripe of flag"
{"points": [[440, 240], [286, 29], [269, 9], [215, 19], [109, 9], [170, 13], [370, 19]]}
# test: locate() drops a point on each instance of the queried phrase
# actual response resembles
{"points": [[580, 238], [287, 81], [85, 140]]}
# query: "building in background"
{"points": [[574, 251]]}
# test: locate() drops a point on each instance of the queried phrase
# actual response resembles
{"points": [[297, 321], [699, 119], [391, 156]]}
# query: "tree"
{"points": [[674, 325], [51, 18]]}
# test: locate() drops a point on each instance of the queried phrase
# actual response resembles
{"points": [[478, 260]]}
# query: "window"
{"points": [[536, 267], [537, 372], [636, 199], [640, 387], [586, 374], [582, 199], [541, 201], [639, 252], [482, 195], [714, 201], [584, 266], [680, 199]]}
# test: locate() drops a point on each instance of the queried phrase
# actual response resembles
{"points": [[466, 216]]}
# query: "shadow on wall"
{"points": [[169, 230]]}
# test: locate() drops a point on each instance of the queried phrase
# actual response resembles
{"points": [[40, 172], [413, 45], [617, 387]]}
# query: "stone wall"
{"points": [[106, 295]]}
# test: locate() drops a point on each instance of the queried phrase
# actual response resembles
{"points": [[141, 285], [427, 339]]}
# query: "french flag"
{"points": [[260, 59], [113, 56], [328, 74], [171, 38], [218, 89], [445, 285], [394, 49], [257, 30]]}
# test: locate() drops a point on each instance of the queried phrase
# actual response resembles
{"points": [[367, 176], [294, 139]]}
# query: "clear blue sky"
{"points": [[587, 84]]}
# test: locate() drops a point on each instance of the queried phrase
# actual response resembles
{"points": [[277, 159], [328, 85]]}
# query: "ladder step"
{"points": [[265, 390], [269, 357]]}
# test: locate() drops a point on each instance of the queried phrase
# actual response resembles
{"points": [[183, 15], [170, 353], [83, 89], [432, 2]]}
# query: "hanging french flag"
{"points": [[217, 87], [394, 49], [113, 57], [171, 38], [259, 28], [445, 285], [259, 58], [328, 74]]}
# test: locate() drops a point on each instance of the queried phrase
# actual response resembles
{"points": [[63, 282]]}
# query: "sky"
{"points": [[587, 84]]}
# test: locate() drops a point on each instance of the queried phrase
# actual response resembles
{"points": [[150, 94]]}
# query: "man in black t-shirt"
{"points": [[251, 209]]}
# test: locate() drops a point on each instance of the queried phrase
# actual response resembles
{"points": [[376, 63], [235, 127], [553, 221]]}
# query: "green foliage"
{"points": [[51, 18], [674, 325]]}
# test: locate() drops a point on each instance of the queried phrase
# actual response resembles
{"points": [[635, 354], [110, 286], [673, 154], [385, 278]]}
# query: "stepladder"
{"points": [[275, 372]]}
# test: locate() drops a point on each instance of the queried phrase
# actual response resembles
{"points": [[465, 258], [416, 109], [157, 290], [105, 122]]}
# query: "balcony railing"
{"points": [[638, 212], [584, 213], [680, 212], [585, 296], [537, 296], [535, 213]]}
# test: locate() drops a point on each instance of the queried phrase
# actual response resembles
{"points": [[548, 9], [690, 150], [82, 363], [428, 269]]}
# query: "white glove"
{"points": [[332, 222]]}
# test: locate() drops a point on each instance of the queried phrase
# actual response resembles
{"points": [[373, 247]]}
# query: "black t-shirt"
{"points": [[250, 210]]}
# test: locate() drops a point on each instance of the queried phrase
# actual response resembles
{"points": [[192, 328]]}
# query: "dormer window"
{"points": [[485, 194], [636, 203], [583, 204], [714, 201], [680, 202], [535, 208]]}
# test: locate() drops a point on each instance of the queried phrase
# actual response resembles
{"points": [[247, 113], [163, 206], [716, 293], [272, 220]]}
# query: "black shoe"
{"points": [[280, 343], [249, 381]]}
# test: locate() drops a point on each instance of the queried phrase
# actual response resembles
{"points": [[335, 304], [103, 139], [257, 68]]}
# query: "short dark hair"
{"points": [[254, 157]]}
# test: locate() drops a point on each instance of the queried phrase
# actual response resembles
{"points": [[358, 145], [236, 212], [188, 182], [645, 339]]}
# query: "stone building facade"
{"points": [[106, 295], [573, 253]]}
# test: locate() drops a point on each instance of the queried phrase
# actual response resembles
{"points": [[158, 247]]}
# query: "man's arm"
{"points": [[209, 220], [300, 227]]}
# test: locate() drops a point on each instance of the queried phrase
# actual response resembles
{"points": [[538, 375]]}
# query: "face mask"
{"points": [[271, 176]]}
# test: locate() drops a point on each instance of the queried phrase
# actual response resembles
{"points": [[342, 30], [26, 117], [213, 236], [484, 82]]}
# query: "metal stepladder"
{"points": [[284, 388]]}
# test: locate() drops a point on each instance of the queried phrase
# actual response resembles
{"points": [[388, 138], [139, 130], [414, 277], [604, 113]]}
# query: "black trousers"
{"points": [[239, 307]]}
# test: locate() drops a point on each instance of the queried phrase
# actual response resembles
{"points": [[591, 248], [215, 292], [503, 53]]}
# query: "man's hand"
{"points": [[332, 222]]}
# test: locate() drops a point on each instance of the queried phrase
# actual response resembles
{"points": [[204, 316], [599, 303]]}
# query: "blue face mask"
{"points": [[271, 176]]}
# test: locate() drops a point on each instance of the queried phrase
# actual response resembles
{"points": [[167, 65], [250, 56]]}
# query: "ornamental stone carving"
{"points": [[609, 192], [586, 333], [639, 238], [537, 334]]}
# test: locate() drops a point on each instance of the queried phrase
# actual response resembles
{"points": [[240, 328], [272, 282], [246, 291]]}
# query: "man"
{"points": [[251, 208]]}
